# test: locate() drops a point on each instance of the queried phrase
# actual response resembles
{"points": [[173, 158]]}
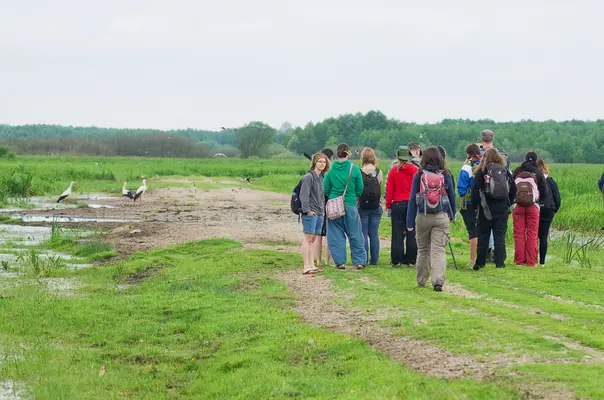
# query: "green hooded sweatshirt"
{"points": [[335, 182]]}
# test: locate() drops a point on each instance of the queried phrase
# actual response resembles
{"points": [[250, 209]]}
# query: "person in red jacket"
{"points": [[400, 179]]}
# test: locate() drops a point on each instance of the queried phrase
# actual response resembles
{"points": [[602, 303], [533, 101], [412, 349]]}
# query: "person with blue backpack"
{"points": [[431, 209], [464, 190]]}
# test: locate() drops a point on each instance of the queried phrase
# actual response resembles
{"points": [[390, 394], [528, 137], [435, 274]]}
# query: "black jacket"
{"points": [[496, 207], [547, 214], [544, 197]]}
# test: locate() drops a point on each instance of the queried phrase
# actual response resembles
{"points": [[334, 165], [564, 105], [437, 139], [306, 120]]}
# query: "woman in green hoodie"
{"points": [[345, 176]]}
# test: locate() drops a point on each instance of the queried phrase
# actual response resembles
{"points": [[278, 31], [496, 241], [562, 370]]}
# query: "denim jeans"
{"points": [[337, 231], [370, 223]]}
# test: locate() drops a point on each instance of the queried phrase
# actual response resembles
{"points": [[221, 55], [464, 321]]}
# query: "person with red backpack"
{"points": [[431, 209], [493, 191], [369, 204], [531, 187]]}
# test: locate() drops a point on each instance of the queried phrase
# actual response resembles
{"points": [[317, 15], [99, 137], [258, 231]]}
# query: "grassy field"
{"points": [[206, 320]]}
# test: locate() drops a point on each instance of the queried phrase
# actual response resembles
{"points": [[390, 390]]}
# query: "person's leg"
{"points": [[352, 226], [544, 226], [397, 246], [423, 227], [365, 218], [519, 214], [469, 219], [410, 256], [484, 232], [319, 250], [336, 240], [374, 237], [532, 229], [439, 239], [500, 228], [306, 252]]}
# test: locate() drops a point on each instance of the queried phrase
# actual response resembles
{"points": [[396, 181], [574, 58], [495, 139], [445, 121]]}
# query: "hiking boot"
{"points": [[340, 266], [476, 267], [419, 285], [438, 288], [397, 265], [500, 266]]}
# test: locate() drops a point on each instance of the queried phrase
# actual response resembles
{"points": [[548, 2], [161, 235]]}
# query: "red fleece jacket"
{"points": [[398, 186]]}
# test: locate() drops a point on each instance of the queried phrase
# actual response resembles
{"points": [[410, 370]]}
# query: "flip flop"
{"points": [[319, 270], [310, 272]]}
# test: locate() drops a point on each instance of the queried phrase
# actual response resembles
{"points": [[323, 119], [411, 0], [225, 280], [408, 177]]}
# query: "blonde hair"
{"points": [[543, 166], [368, 156], [316, 157], [491, 156]]}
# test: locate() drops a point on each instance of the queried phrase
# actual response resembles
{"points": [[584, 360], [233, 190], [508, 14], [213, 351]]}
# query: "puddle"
{"points": [[57, 218], [24, 235], [90, 205], [50, 202]]}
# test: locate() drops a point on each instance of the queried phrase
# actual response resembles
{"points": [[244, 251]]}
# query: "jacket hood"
{"points": [[530, 166], [341, 165], [408, 170]]}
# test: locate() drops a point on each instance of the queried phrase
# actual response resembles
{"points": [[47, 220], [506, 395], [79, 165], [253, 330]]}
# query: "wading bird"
{"points": [[98, 165], [127, 193], [139, 192], [66, 193]]}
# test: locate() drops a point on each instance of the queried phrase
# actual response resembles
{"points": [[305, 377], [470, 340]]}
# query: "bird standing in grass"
{"points": [[66, 193], [127, 193], [98, 165], [139, 192]]}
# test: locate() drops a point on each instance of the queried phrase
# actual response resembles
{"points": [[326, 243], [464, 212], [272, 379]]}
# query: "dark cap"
{"points": [[487, 135], [414, 145]]}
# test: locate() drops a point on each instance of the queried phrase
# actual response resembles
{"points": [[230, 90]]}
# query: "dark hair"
{"points": [[343, 150], [531, 156], [473, 150], [328, 152], [433, 158]]}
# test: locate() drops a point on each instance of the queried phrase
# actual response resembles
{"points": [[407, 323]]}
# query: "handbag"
{"points": [[334, 208]]}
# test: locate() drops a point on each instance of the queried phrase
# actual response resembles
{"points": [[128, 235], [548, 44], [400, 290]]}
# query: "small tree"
{"points": [[253, 137]]}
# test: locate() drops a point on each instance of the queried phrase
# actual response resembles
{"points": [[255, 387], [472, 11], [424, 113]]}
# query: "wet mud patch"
{"points": [[142, 275]]}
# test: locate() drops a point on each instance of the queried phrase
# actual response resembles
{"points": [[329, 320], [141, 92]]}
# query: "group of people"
{"points": [[420, 198]]}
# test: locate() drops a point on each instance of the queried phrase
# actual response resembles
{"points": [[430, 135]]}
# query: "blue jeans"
{"points": [[312, 225], [337, 230], [370, 223]]}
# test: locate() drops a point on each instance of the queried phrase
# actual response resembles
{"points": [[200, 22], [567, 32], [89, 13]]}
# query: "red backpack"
{"points": [[432, 196]]}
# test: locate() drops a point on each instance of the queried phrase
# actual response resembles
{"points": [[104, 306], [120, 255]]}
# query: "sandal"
{"points": [[310, 272], [319, 270]]}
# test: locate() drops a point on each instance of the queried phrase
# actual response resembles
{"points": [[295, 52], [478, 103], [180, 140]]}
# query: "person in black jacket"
{"points": [[526, 217], [493, 213], [546, 215]]}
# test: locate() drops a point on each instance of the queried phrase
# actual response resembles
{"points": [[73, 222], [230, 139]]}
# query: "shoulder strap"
{"points": [[348, 181]]}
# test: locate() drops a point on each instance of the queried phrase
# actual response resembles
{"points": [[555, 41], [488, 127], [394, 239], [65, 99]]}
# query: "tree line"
{"points": [[572, 141]]}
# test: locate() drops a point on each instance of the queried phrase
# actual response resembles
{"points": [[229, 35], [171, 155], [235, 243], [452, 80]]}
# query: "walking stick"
{"points": [[452, 255]]}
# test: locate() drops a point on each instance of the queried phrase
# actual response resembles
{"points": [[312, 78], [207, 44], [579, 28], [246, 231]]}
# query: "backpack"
{"points": [[527, 192], [432, 196], [295, 202], [496, 185], [372, 191]]}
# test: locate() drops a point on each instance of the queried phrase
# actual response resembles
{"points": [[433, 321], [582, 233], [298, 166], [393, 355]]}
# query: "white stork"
{"points": [[66, 193], [139, 192], [127, 193]]}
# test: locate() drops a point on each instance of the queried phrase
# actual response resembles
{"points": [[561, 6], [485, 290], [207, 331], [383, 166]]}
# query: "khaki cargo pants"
{"points": [[432, 233]]}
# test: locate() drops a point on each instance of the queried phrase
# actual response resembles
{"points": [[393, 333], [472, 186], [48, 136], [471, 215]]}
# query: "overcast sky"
{"points": [[206, 64]]}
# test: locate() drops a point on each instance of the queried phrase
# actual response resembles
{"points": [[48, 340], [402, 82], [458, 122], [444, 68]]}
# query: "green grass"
{"points": [[196, 321]]}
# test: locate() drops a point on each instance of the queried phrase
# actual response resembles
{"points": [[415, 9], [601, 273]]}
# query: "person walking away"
{"points": [[312, 198], [531, 187], [416, 152], [397, 203], [493, 191], [344, 178], [429, 215], [369, 204], [546, 214], [464, 190]]}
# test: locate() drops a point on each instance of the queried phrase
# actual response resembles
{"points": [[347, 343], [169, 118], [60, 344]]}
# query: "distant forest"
{"points": [[566, 141]]}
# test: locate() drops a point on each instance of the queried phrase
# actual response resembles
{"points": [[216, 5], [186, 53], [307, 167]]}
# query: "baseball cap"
{"points": [[403, 153]]}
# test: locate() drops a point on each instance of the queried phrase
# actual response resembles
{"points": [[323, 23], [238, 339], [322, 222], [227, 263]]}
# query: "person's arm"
{"points": [[327, 184], [358, 180], [451, 194], [463, 183], [555, 195], [601, 182], [305, 193], [390, 188], [543, 190], [412, 207], [476, 186]]}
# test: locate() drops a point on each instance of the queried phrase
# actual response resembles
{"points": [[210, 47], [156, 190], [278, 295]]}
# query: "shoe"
{"points": [[396, 265], [500, 266], [438, 288], [340, 266], [419, 285], [476, 267], [360, 266]]}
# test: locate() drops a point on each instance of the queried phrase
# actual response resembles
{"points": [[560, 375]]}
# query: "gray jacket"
{"points": [[312, 195]]}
